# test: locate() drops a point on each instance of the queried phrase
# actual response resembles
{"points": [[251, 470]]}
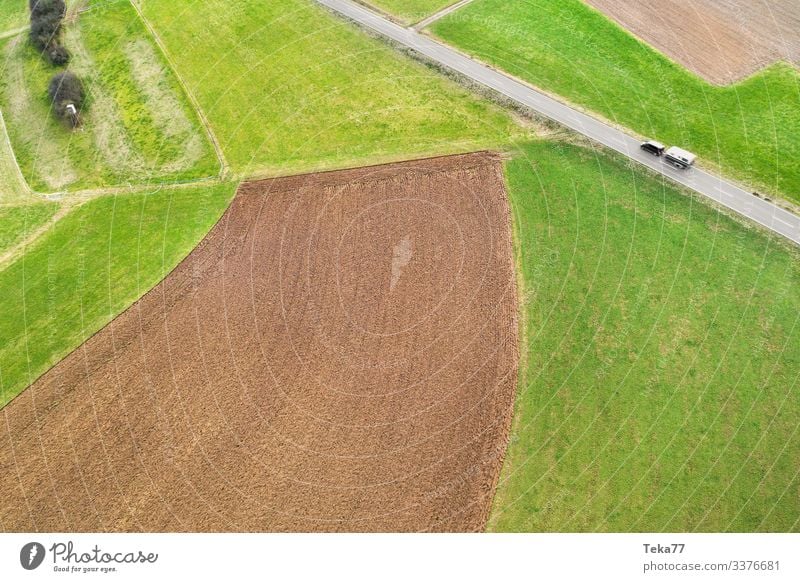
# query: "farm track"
{"points": [[441, 14], [10, 255], [339, 354]]}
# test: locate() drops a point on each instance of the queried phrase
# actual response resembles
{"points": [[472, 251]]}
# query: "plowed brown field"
{"points": [[721, 40], [339, 353]]}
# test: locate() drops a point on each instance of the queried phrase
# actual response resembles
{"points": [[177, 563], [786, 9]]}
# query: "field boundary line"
{"points": [[425, 22], [224, 167], [7, 143]]}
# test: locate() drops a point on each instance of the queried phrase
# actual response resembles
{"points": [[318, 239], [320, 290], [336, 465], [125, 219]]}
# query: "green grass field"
{"points": [[137, 124], [12, 185], [16, 222], [288, 87], [749, 130], [89, 267], [411, 10], [13, 14], [662, 354]]}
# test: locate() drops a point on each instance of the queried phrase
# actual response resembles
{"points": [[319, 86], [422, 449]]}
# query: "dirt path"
{"points": [[13, 32], [441, 14], [339, 354], [11, 254]]}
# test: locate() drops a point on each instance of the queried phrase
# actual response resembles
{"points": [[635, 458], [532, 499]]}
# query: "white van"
{"points": [[679, 158]]}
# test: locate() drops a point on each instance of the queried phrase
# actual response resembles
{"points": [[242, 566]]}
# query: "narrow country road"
{"points": [[714, 187]]}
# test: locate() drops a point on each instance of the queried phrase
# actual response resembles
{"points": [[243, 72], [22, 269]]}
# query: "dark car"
{"points": [[654, 147]]}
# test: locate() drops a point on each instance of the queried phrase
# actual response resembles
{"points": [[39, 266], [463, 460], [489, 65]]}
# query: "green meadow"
{"points": [[12, 185], [288, 87], [748, 130], [661, 337], [661, 355], [13, 15], [17, 222], [91, 265]]}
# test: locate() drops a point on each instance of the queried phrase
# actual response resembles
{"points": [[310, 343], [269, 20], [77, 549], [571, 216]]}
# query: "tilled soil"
{"points": [[721, 40], [339, 354]]}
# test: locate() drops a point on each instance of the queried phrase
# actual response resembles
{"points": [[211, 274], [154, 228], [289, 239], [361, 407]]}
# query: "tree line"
{"points": [[65, 88]]}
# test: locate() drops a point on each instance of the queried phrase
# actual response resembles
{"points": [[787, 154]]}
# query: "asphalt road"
{"points": [[745, 203]]}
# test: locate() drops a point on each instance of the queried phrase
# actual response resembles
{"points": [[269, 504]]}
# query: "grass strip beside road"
{"points": [[748, 130]]}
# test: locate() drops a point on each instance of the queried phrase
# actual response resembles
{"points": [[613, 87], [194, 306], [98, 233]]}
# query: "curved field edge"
{"points": [[722, 42], [314, 93], [410, 444], [663, 349], [746, 130], [90, 266]]}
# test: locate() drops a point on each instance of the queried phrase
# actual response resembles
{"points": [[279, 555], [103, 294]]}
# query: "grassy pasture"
{"points": [[138, 125], [411, 10], [662, 354], [289, 87], [16, 222], [91, 265], [12, 185], [13, 14], [749, 130]]}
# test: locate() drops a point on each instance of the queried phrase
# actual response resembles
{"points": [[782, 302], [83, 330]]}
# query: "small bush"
{"points": [[46, 18], [58, 55], [44, 31], [39, 7], [66, 89]]}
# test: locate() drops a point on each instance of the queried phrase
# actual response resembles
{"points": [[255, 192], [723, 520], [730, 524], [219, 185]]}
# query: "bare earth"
{"points": [[339, 354], [721, 40]]}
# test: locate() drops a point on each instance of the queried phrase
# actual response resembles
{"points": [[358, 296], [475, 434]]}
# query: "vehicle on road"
{"points": [[654, 147], [680, 158]]}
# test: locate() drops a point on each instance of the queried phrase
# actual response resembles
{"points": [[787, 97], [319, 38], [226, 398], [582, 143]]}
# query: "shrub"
{"points": [[39, 7], [66, 89], [58, 55], [46, 18], [44, 31]]}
